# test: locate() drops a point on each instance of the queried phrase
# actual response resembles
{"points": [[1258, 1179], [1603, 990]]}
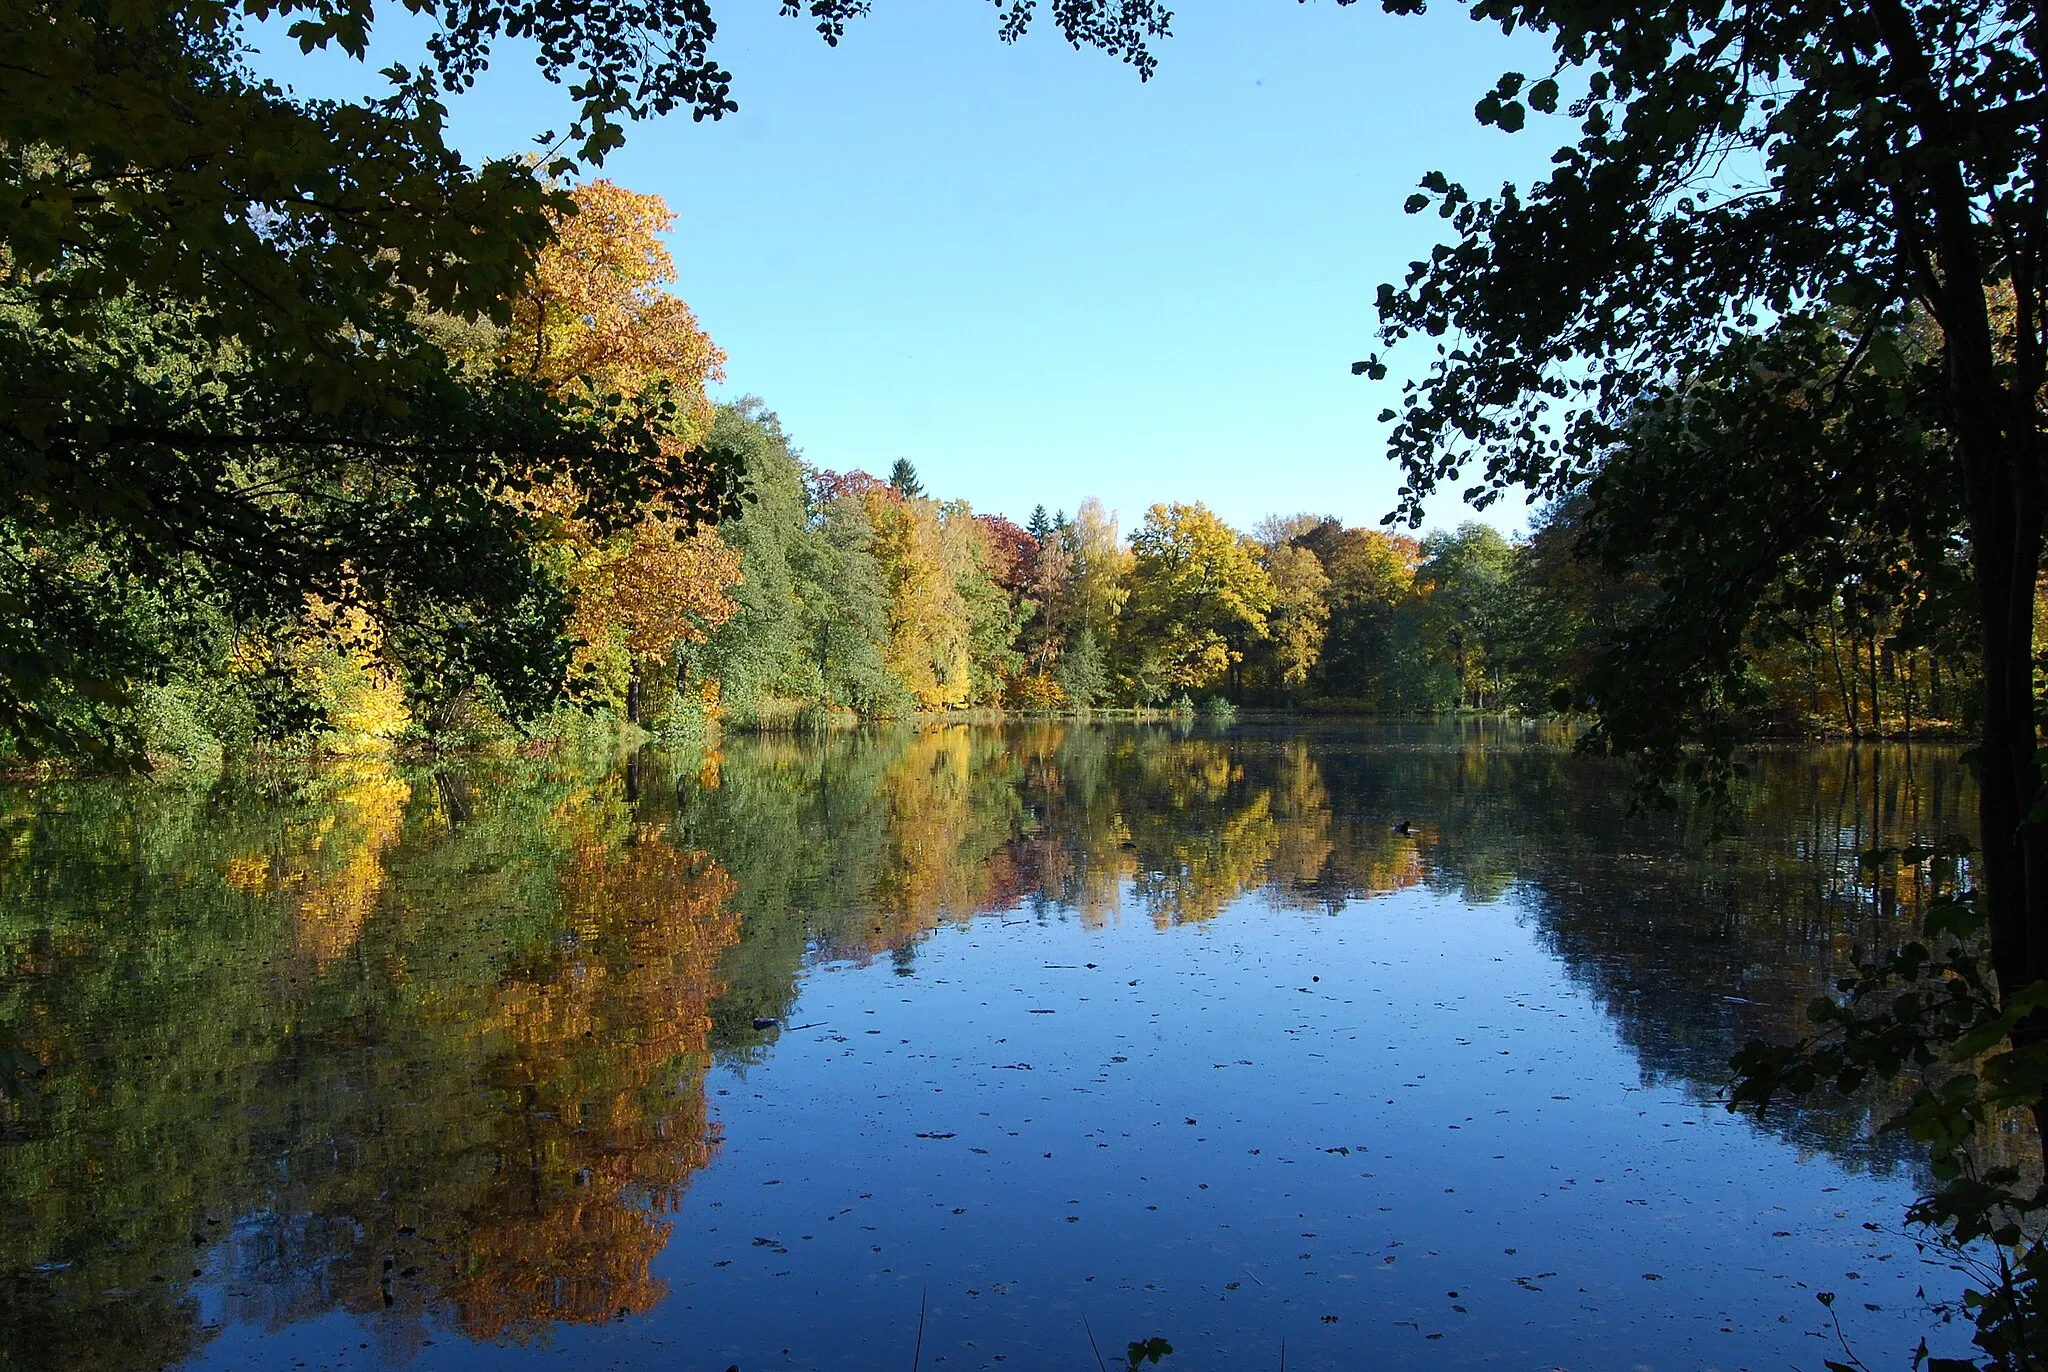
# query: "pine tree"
{"points": [[903, 480]]}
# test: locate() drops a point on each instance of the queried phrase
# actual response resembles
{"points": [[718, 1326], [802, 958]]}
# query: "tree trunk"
{"points": [[1813, 678], [633, 698], [2005, 543], [1912, 654], [1845, 682], [1998, 442]]}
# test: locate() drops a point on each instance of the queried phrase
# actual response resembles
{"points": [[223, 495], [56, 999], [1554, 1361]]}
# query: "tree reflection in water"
{"points": [[467, 1097], [430, 1048]]}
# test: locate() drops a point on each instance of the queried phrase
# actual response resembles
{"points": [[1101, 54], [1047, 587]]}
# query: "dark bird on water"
{"points": [[1404, 828]]}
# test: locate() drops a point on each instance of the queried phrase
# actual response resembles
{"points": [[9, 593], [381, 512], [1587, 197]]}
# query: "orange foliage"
{"points": [[1036, 691], [601, 1135], [599, 317], [655, 590], [599, 314]]}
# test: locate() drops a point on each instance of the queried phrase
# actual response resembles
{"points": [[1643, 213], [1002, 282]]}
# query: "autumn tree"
{"points": [[1198, 598], [1300, 617], [1101, 569], [1051, 589], [598, 318], [928, 623], [1372, 650], [1012, 553], [225, 386]]}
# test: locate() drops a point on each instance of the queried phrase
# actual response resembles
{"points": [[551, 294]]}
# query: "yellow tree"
{"points": [[1301, 612], [599, 314], [1198, 596], [929, 631], [1100, 571], [599, 317]]}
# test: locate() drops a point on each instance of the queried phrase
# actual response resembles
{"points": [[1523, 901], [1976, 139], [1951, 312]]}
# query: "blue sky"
{"points": [[1040, 279]]}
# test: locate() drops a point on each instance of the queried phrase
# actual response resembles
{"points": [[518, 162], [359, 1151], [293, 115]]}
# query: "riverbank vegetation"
{"points": [[290, 469], [722, 578]]}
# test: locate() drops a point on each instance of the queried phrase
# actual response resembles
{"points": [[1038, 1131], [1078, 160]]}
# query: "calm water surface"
{"points": [[747, 1058]]}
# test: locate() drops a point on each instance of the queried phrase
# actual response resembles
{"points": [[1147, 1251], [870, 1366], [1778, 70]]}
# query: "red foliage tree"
{"points": [[1012, 552]]}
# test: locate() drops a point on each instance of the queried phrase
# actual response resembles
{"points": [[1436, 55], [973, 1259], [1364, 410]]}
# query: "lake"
{"points": [[956, 1047]]}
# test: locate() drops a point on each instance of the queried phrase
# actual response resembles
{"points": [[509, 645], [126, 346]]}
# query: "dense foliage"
{"points": [[840, 594], [870, 596]]}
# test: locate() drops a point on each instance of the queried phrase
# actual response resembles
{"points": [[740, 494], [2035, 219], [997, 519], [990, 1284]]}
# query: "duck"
{"points": [[1404, 828]]}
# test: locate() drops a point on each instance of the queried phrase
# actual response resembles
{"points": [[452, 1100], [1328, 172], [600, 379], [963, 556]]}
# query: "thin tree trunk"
{"points": [[1911, 654], [1845, 682], [1813, 677]]}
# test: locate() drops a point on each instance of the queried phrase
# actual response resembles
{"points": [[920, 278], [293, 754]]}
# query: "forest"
{"points": [[814, 595]]}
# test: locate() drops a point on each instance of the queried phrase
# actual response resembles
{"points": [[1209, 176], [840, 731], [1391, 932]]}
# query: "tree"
{"points": [[597, 319], [903, 480], [1741, 169], [1722, 615], [1101, 567], [597, 315], [977, 549], [1464, 583], [1052, 593], [929, 629], [1572, 608], [812, 618], [1744, 162], [1301, 614], [1082, 674], [1012, 553], [1371, 650], [1198, 597], [853, 628], [765, 650]]}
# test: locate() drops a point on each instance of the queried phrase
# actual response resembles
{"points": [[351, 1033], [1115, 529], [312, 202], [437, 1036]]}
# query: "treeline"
{"points": [[852, 593], [630, 548]]}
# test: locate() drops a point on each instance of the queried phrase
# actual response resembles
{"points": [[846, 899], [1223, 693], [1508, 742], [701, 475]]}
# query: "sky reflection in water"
{"points": [[1171, 1034]]}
